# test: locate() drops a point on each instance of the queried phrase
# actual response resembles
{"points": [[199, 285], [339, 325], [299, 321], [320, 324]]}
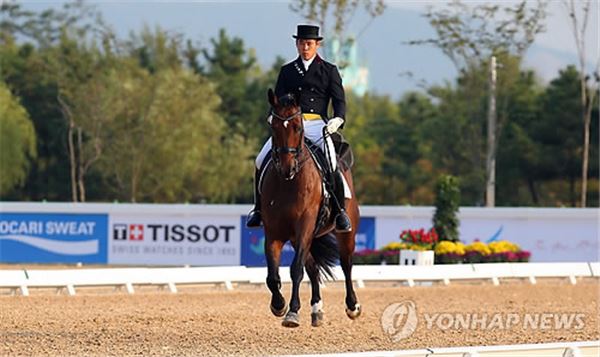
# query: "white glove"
{"points": [[269, 119], [334, 124]]}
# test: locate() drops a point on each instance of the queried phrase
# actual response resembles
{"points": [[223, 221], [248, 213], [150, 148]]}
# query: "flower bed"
{"points": [[446, 252]]}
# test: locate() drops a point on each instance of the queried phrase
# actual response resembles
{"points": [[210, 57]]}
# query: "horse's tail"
{"points": [[324, 251]]}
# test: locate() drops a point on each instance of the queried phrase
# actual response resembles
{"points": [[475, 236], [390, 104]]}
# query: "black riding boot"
{"points": [[342, 221], [254, 219]]}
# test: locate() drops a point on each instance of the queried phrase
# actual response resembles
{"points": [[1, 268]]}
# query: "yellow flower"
{"points": [[445, 247], [503, 246], [480, 247]]}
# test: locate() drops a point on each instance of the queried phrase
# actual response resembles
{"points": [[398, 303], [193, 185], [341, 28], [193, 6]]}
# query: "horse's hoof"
{"points": [[277, 312], [316, 318], [354, 314], [291, 319]]}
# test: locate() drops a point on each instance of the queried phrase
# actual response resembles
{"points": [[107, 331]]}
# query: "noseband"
{"points": [[296, 151]]}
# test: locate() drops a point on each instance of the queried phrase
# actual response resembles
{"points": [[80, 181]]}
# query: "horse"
{"points": [[292, 192]]}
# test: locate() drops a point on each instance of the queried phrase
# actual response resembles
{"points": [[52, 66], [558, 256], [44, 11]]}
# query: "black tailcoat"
{"points": [[318, 85]]}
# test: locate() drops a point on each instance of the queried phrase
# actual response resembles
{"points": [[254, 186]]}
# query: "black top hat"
{"points": [[308, 32]]}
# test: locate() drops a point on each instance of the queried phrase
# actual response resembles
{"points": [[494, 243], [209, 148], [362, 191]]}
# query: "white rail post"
{"points": [[572, 352], [129, 287], [471, 354], [172, 287]]}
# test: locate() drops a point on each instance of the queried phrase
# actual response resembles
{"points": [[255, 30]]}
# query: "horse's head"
{"points": [[287, 131]]}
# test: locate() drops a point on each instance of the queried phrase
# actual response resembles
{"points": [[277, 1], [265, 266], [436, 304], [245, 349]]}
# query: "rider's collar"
{"points": [[308, 63]]}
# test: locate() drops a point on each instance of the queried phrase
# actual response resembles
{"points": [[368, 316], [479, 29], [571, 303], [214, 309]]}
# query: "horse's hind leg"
{"points": [[273, 254], [316, 314], [346, 247]]}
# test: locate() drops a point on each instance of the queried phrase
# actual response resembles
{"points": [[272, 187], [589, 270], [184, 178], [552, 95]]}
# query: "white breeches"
{"points": [[313, 130]]}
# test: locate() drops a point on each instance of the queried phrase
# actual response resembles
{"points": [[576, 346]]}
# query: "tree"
{"points": [[46, 28], [416, 110], [158, 50], [89, 98], [519, 154], [342, 10], [557, 131], [319, 11], [242, 86], [390, 167], [31, 72], [470, 36], [23, 69], [17, 141], [579, 20], [168, 142], [229, 67], [447, 204]]}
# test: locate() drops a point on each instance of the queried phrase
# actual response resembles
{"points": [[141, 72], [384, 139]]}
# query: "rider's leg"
{"points": [[335, 185], [336, 188], [254, 217]]}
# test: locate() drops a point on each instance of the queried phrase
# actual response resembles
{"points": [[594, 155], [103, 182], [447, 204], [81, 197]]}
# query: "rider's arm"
{"points": [[280, 86], [338, 98]]}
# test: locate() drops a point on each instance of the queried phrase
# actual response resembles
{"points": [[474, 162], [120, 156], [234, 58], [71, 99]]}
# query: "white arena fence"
{"points": [[215, 235], [70, 279], [563, 349]]}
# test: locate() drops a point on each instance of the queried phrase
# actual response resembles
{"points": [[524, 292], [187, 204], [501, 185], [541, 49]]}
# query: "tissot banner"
{"points": [[173, 240], [53, 238], [253, 240]]}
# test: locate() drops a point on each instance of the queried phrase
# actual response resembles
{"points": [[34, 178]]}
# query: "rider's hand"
{"points": [[269, 119], [334, 124]]}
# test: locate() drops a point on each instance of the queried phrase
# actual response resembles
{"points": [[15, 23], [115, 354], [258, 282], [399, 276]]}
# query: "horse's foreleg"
{"points": [[316, 303], [273, 254], [346, 247], [297, 273]]}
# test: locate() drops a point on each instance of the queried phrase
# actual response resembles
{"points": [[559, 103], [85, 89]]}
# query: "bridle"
{"points": [[295, 151]]}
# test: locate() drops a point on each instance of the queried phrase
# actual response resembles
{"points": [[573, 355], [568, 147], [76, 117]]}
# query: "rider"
{"points": [[317, 82]]}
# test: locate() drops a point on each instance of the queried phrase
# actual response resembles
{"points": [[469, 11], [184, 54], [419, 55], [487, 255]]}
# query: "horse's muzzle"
{"points": [[287, 171], [286, 168]]}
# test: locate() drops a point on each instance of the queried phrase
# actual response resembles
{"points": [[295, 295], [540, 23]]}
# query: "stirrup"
{"points": [[254, 219], [342, 222]]}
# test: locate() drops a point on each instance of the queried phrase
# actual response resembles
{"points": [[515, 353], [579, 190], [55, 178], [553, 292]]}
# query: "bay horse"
{"points": [[292, 192]]}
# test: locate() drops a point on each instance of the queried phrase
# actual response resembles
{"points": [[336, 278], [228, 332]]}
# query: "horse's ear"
{"points": [[297, 97], [272, 98]]}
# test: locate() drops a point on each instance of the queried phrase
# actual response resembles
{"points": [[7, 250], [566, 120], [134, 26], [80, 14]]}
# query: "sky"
{"points": [[267, 26]]}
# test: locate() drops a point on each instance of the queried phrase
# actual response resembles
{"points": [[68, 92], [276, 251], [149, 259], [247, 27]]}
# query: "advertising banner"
{"points": [[53, 238], [253, 240], [172, 240], [550, 237], [548, 240]]}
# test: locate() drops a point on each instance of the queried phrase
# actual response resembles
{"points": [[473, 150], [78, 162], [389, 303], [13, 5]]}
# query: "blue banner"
{"points": [[53, 238], [253, 240]]}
